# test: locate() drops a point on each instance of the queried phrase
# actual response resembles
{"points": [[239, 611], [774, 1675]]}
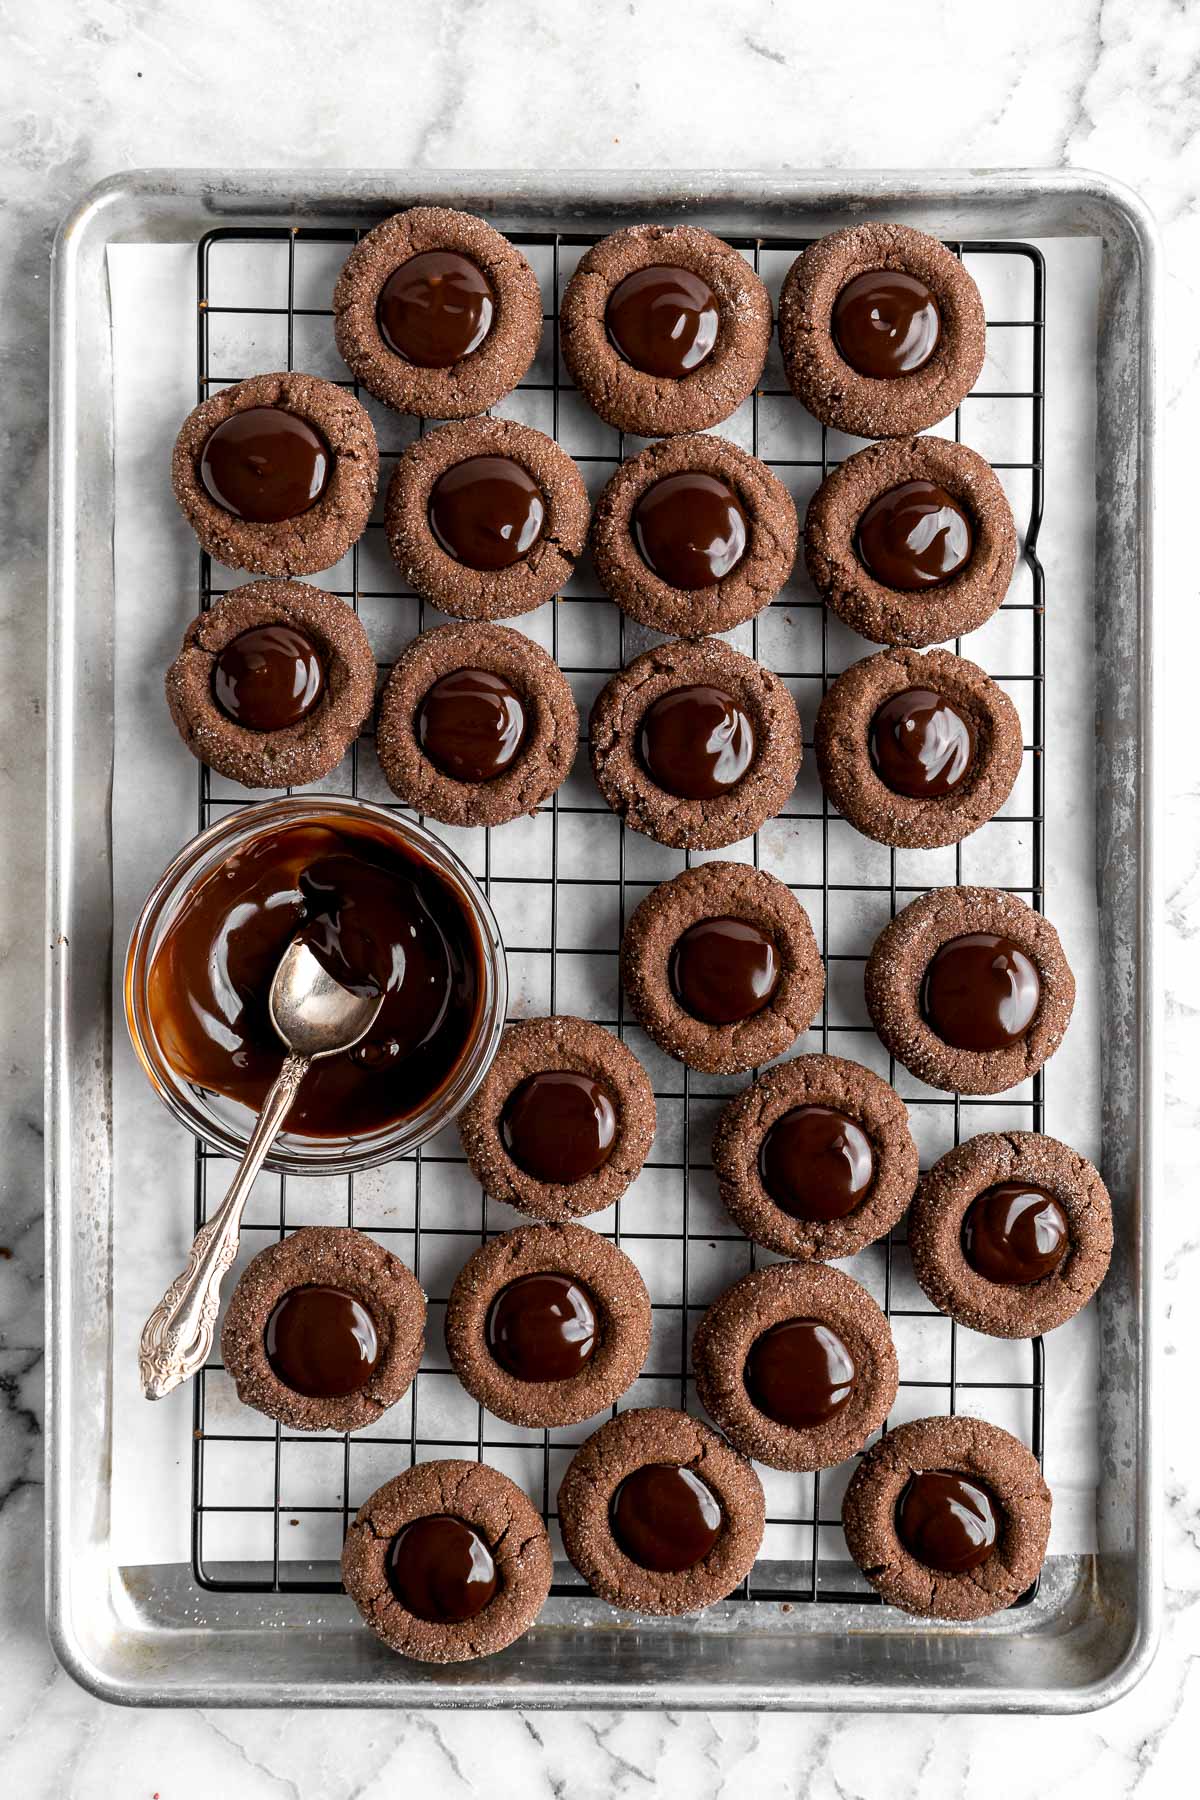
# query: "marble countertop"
{"points": [[91, 87]]}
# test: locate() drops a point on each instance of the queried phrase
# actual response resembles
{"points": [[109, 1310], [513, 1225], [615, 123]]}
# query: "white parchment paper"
{"points": [[154, 811]]}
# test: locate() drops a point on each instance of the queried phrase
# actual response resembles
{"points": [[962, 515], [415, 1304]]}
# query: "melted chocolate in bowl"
{"points": [[665, 1518], [441, 1569], [947, 1521], [435, 309], [914, 536], [265, 465], [816, 1163], [696, 742], [321, 1342], [663, 320], [690, 529], [471, 724], [1015, 1234], [268, 678], [487, 512], [920, 745], [886, 323], [378, 916], [980, 992], [559, 1125], [800, 1373], [722, 970], [542, 1327]]}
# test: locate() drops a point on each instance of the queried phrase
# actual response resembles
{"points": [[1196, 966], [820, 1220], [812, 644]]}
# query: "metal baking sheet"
{"points": [[1090, 1629]]}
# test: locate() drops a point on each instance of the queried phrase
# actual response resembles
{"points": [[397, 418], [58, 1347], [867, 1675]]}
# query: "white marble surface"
{"points": [[105, 85]]}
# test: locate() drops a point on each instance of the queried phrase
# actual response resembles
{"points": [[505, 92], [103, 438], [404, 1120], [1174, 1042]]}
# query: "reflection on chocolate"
{"points": [[1015, 1233], [915, 536], [800, 1373], [947, 1521], [663, 320], [980, 992], [321, 1342], [268, 678], [722, 970], [471, 724], [435, 309], [487, 512], [690, 529], [920, 745], [886, 323], [441, 1569], [665, 1518], [559, 1125], [265, 465], [542, 1327], [378, 917], [696, 742], [816, 1163]]}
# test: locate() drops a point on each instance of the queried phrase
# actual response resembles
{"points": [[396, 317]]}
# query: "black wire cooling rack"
{"points": [[269, 1507]]}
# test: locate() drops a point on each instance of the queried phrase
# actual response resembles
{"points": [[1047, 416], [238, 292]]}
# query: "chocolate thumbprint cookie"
{"points": [[448, 1562], [476, 725], [815, 1159], [277, 474], [562, 1121], [721, 967], [917, 750], [1011, 1233], [658, 1514], [693, 536], [436, 314], [324, 1330], [664, 329], [272, 684], [911, 542], [695, 745], [548, 1325], [796, 1365], [969, 988], [882, 330], [948, 1518], [486, 517]]}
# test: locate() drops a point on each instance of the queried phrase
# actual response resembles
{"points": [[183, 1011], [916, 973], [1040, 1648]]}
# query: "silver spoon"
{"points": [[315, 1016]]}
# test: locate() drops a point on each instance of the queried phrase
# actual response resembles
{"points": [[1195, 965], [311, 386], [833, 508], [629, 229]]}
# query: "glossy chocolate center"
{"points": [[435, 309], [816, 1163], [1015, 1234], [268, 678], [722, 970], [378, 916], [920, 745], [441, 1569], [559, 1125], [665, 1518], [980, 992], [915, 536], [663, 320], [471, 724], [947, 1521], [487, 512], [800, 1373], [696, 742], [690, 529], [265, 465], [886, 323], [321, 1342], [542, 1327]]}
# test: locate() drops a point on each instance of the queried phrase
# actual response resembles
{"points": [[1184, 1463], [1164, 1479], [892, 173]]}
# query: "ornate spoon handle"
{"points": [[178, 1335]]}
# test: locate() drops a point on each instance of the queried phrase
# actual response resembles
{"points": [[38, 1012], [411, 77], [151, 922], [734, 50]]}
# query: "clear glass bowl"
{"points": [[225, 1124]]}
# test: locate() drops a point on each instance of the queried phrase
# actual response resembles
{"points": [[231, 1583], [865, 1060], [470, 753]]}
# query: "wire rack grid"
{"points": [[269, 1507]]}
